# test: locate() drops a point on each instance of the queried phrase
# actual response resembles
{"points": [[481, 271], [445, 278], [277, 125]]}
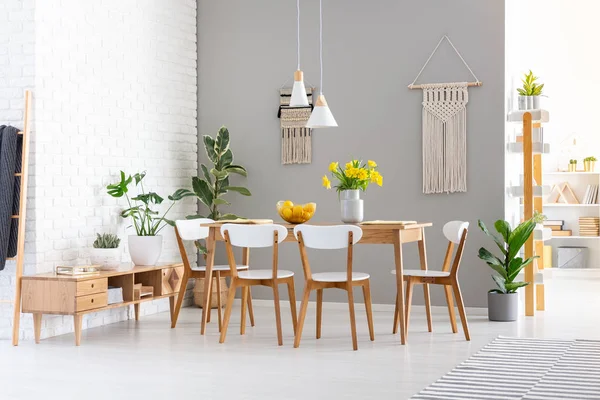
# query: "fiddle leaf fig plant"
{"points": [[508, 265], [146, 220], [213, 184]]}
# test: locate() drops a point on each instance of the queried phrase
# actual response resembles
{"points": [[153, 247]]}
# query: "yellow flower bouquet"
{"points": [[355, 175]]}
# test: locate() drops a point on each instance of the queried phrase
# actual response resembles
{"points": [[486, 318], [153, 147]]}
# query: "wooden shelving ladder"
{"points": [[23, 175]]}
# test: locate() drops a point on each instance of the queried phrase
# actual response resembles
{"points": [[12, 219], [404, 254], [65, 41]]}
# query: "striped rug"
{"points": [[529, 369]]}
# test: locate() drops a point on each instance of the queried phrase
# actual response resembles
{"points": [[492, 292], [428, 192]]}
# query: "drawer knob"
{"points": [[92, 300], [92, 285]]}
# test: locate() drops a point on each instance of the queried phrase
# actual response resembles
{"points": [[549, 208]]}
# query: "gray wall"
{"points": [[373, 49]]}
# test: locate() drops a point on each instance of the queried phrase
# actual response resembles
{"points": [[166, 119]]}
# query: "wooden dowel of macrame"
{"points": [[22, 212], [469, 84]]}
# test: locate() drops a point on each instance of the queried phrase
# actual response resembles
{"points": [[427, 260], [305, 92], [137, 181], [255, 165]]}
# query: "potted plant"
{"points": [[589, 163], [572, 165], [106, 252], [529, 94], [503, 302], [210, 188], [356, 176], [146, 245]]}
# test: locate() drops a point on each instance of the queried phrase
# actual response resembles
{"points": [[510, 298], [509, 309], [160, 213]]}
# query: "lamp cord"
{"points": [[321, 43], [298, 35]]}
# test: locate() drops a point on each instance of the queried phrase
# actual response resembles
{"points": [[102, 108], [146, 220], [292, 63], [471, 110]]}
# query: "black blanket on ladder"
{"points": [[10, 163]]}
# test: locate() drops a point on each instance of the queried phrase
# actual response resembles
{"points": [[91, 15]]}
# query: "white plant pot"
{"points": [[535, 101], [351, 206], [529, 102], [108, 259], [145, 250], [522, 102]]}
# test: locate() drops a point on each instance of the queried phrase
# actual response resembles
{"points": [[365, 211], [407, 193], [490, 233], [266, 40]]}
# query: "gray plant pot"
{"points": [[522, 102], [503, 307]]}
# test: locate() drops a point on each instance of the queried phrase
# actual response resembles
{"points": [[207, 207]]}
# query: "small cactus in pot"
{"points": [[105, 251]]}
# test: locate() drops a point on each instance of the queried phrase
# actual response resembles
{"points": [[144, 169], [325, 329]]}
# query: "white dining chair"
{"points": [[257, 236], [456, 233], [331, 238], [191, 230]]}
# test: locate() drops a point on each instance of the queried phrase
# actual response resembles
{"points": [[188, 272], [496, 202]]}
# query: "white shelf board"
{"points": [[538, 191], [538, 277], [543, 234], [569, 205], [575, 237], [537, 147], [550, 273], [572, 173], [538, 115]]}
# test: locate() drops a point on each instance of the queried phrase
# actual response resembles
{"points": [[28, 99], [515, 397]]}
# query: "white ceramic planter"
{"points": [[535, 102], [351, 206], [522, 102], [145, 250], [108, 259]]}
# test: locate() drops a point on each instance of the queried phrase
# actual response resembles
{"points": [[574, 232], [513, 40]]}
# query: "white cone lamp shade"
{"points": [[321, 117], [299, 98]]}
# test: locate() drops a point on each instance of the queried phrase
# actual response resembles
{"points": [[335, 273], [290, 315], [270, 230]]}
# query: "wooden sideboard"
{"points": [[78, 295]]}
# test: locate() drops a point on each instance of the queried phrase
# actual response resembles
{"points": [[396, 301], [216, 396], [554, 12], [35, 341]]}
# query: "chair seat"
{"points": [[264, 274], [219, 268], [338, 276], [422, 273]]}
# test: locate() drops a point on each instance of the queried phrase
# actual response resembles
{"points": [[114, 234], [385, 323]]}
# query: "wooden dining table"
{"points": [[383, 233]]}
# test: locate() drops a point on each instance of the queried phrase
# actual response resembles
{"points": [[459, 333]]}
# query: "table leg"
{"points": [[400, 284], [210, 260], [423, 258]]}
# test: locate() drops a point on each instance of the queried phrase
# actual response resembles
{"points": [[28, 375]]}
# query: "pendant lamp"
{"points": [[321, 116], [298, 98]]}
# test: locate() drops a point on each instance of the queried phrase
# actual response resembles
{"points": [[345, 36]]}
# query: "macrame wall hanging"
{"points": [[445, 131], [296, 142]]}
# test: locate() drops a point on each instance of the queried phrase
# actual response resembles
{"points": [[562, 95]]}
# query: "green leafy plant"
{"points": [[507, 267], [106, 241], [590, 158], [214, 182], [146, 221], [530, 87], [573, 161]]}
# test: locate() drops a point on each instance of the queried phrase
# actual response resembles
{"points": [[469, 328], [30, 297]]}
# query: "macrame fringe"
{"points": [[445, 138], [296, 139]]}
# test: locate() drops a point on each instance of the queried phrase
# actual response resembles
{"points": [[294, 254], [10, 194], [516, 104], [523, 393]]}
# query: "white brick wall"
{"points": [[115, 88]]}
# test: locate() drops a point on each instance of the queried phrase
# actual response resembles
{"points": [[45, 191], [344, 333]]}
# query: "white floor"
{"points": [[148, 360]]}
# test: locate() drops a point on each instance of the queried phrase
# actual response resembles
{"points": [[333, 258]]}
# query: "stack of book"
{"points": [[591, 195], [589, 226], [557, 228]]}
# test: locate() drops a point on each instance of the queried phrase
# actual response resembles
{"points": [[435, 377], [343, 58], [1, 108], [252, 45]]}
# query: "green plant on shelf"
{"points": [[590, 158], [573, 162], [530, 86], [106, 241]]}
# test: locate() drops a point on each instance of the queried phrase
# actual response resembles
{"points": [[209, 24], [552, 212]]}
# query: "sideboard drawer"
{"points": [[91, 301], [92, 286]]}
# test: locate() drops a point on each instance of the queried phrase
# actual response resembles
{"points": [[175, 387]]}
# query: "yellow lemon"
{"points": [[297, 211], [286, 213], [309, 207], [305, 216], [288, 203]]}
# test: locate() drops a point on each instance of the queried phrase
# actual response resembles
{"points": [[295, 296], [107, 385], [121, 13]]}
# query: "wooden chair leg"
{"points": [[410, 284], [136, 311], [396, 316], [77, 320], [302, 316], [461, 309], [250, 309], [229, 306], [37, 326], [352, 316], [319, 311], [427, 307], [219, 300], [292, 297], [209, 309], [368, 307], [451, 312], [277, 313], [180, 296], [244, 310]]}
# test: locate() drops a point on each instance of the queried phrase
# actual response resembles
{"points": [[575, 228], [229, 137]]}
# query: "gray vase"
{"points": [[351, 206], [522, 102], [503, 307]]}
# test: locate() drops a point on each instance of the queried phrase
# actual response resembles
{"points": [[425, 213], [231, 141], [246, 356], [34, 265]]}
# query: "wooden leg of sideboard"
{"points": [[172, 306], [540, 298], [37, 326], [136, 309], [77, 318]]}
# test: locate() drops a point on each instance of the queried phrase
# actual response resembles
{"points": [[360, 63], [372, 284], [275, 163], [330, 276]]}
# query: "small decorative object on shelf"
{"points": [[503, 302], [589, 163], [354, 177], [564, 194], [572, 165], [589, 226], [78, 270], [529, 94], [106, 251]]}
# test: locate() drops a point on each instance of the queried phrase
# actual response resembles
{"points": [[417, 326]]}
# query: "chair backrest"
{"points": [[253, 236], [190, 229], [326, 237], [456, 233]]}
